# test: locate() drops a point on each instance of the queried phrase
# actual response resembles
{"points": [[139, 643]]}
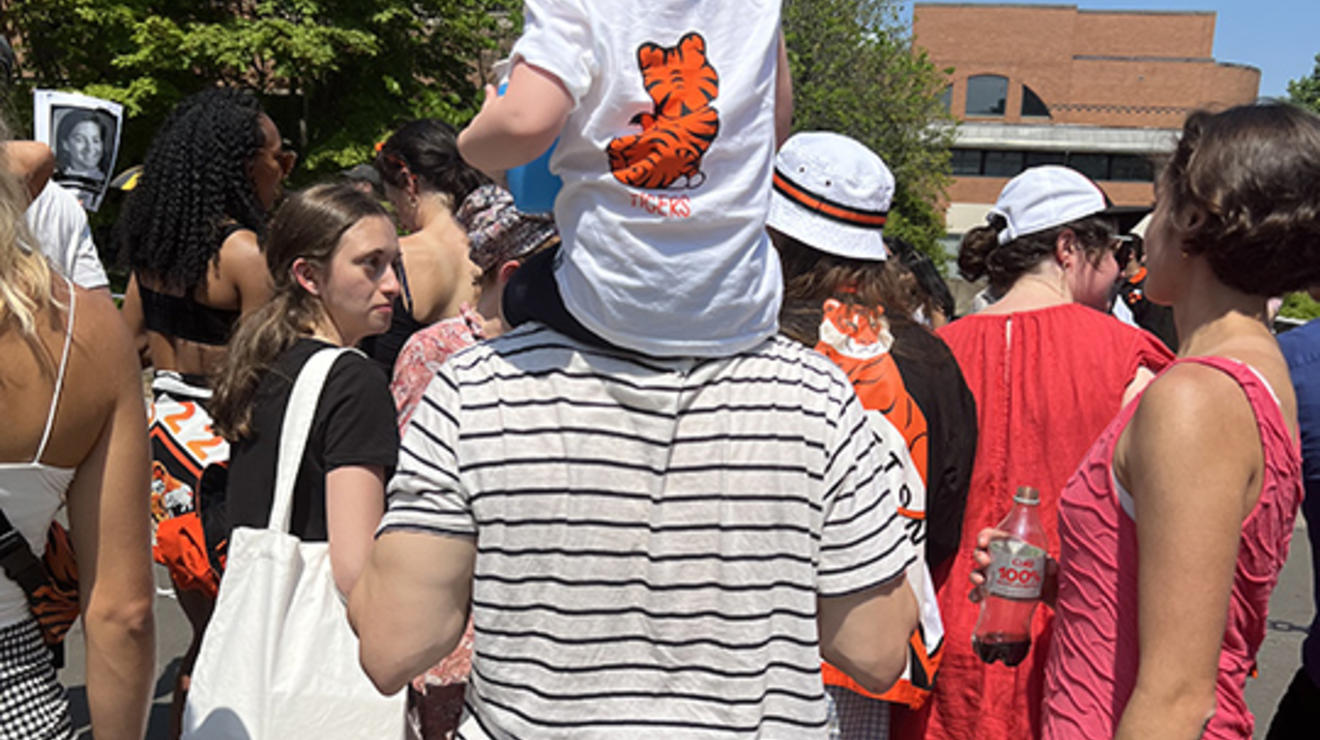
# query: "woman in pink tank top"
{"points": [[1175, 527]]}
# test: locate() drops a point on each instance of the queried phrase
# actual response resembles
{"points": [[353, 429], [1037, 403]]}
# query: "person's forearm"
{"points": [[783, 96], [504, 136], [121, 662], [32, 161], [519, 126], [1173, 713]]}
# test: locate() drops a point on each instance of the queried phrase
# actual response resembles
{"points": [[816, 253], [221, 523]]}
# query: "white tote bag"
{"points": [[278, 660]]}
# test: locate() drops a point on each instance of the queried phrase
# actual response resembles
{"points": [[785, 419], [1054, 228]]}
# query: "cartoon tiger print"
{"points": [[679, 130], [858, 340]]}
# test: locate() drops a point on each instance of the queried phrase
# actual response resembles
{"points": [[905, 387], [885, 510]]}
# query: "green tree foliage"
{"points": [[336, 75], [1300, 305], [1305, 91], [856, 72]]}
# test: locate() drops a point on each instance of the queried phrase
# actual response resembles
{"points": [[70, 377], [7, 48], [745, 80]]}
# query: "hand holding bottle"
{"points": [[1011, 561], [981, 561]]}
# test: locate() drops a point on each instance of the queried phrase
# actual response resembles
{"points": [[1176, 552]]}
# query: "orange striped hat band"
{"points": [[824, 206]]}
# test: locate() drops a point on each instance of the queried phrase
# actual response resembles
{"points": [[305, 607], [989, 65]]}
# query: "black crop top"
{"points": [[177, 316], [182, 317]]}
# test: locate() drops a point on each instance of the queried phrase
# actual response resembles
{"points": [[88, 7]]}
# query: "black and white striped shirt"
{"points": [[651, 534]]}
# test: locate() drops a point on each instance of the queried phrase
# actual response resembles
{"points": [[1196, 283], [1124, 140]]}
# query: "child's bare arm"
{"points": [[515, 128], [783, 96]]}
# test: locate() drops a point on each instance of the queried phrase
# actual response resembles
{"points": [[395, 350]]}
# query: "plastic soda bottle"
{"points": [[1013, 584]]}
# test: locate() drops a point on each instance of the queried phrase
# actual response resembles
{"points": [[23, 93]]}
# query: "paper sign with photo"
{"points": [[84, 133]]}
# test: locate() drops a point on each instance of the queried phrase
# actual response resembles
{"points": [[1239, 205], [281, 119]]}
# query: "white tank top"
{"points": [[31, 492]]}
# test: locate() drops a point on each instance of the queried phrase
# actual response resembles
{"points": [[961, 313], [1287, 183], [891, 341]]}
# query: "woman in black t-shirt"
{"points": [[331, 251]]}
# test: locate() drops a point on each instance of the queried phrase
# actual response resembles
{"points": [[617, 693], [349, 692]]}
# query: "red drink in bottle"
{"points": [[1013, 584]]}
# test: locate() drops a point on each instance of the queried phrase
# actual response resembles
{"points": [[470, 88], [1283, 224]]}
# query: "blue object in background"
{"points": [[533, 186]]}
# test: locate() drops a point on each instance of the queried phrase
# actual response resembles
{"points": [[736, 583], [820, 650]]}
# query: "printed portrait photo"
{"points": [[84, 134]]}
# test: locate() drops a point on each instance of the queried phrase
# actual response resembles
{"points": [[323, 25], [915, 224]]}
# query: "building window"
{"points": [[1008, 163], [967, 161], [986, 95], [1094, 166], [1032, 105], [946, 98], [1131, 168], [1002, 164], [1036, 159]]}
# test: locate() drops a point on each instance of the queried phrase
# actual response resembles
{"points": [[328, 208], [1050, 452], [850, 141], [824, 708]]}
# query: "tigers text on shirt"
{"points": [[651, 535], [666, 162]]}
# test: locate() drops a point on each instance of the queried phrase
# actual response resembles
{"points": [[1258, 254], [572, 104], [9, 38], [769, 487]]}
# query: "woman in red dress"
{"points": [[1048, 372]]}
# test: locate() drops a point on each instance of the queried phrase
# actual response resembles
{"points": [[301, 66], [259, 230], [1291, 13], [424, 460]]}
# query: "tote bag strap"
{"points": [[297, 425]]}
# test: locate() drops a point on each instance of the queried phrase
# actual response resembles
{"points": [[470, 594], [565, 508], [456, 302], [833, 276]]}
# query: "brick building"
{"points": [[1104, 91]]}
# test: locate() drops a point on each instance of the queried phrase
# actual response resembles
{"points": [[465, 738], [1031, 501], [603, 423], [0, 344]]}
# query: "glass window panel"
{"points": [[1003, 164], [986, 95], [1035, 159], [1032, 105], [1094, 166], [1131, 167], [946, 97], [967, 161]]}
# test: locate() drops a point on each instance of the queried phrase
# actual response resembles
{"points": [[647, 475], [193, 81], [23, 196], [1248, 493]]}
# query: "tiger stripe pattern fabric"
{"points": [[676, 134]]}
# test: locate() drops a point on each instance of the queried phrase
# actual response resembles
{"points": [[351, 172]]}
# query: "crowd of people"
{"points": [[702, 452]]}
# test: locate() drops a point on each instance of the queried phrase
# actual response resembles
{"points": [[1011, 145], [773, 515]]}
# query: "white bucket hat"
{"points": [[832, 194], [1053, 195]]}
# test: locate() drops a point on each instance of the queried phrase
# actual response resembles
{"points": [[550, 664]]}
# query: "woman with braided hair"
{"points": [[189, 233]]}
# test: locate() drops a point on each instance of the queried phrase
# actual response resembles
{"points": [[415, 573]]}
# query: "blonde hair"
{"points": [[25, 279]]}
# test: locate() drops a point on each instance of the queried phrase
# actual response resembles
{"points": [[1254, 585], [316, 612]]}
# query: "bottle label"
{"points": [[1017, 570]]}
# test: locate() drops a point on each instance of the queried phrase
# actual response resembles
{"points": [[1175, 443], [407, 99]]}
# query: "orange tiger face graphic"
{"points": [[677, 132]]}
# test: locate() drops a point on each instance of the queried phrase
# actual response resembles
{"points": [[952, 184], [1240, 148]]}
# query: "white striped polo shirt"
{"points": [[651, 534]]}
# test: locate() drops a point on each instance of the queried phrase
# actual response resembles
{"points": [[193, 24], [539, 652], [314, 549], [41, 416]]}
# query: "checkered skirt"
{"points": [[33, 705], [856, 717]]}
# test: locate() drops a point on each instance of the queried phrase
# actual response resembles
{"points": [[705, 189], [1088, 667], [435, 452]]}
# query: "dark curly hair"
{"points": [[1243, 188], [428, 150], [193, 183], [981, 254]]}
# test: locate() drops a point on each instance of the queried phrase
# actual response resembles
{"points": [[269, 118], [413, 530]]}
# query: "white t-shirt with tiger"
{"points": [[666, 162]]}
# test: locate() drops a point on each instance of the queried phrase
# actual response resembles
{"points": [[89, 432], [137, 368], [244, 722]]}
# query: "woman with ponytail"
{"points": [[71, 398], [331, 251], [1048, 369]]}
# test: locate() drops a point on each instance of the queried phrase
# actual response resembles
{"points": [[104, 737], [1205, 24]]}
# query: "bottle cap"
{"points": [[1027, 495]]}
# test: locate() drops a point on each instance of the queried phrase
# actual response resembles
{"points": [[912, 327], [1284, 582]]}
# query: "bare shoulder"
{"points": [[1193, 427], [102, 337], [243, 270], [1190, 398], [102, 373], [240, 251]]}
